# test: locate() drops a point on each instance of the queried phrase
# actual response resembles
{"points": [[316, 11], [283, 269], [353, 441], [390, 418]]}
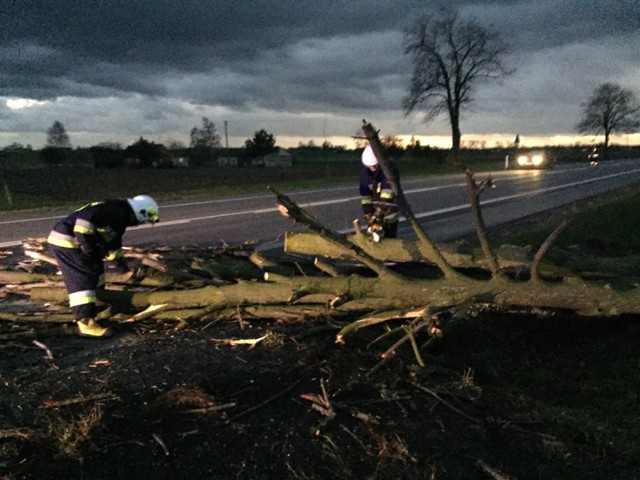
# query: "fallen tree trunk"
{"points": [[559, 262], [390, 249], [18, 278], [572, 294]]}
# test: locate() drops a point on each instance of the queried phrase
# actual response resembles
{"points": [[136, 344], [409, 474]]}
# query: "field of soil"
{"points": [[502, 395]]}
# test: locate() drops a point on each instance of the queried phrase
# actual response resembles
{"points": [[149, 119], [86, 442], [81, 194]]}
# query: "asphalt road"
{"points": [[440, 202]]}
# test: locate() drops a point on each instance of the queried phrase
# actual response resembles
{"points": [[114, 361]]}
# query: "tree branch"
{"points": [[430, 250]]}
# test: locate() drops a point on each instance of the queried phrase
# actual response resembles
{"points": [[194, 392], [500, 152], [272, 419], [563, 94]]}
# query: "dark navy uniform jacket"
{"points": [[96, 229], [376, 192]]}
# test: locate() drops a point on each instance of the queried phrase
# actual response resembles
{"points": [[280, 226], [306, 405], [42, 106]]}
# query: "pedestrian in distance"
{"points": [[377, 198], [83, 240]]}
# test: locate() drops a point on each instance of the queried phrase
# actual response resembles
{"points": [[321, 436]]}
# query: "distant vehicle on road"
{"points": [[594, 156], [534, 159]]}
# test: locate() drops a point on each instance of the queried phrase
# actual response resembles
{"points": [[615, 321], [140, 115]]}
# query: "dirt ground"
{"points": [[502, 395]]}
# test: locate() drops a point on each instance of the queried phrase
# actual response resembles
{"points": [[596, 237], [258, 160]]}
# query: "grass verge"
{"points": [[605, 226], [36, 188]]}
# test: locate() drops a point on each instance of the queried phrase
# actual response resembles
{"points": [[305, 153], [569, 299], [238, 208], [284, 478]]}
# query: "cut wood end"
{"points": [[284, 211], [242, 341], [388, 354], [149, 311], [415, 313], [40, 256], [336, 302]]}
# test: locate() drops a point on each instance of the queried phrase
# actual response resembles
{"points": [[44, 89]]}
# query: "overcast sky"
{"points": [[115, 70]]}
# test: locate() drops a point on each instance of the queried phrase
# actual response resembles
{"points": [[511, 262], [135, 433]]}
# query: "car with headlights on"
{"points": [[534, 159], [594, 156]]}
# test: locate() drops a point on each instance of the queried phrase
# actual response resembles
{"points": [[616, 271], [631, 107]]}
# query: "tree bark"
{"points": [[475, 190], [571, 294], [390, 249]]}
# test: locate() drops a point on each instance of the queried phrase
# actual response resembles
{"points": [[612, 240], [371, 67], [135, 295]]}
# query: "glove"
{"points": [[376, 231]]}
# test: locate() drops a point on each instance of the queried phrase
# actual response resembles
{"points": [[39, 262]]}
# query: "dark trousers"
{"points": [[82, 276], [390, 229]]}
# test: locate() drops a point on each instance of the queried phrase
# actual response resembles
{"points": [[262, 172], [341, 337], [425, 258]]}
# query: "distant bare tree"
{"points": [[56, 151], [206, 137], [57, 136], [610, 109], [449, 56]]}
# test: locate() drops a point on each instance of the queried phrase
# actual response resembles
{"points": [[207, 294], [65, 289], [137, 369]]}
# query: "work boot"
{"points": [[88, 327]]}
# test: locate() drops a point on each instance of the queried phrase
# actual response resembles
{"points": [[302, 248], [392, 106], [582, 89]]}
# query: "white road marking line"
{"points": [[350, 199]]}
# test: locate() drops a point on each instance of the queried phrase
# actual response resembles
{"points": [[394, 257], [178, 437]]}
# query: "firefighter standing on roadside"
{"points": [[378, 201], [83, 240]]}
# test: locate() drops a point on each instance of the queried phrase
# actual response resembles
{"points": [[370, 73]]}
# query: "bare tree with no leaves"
{"points": [[449, 56], [57, 136], [206, 137], [610, 109]]}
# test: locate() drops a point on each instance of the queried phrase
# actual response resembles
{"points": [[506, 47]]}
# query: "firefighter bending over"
{"points": [[378, 201], [83, 240]]}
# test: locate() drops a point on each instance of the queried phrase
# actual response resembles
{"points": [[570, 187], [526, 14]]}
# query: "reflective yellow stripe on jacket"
{"points": [[84, 227], [61, 240], [386, 194]]}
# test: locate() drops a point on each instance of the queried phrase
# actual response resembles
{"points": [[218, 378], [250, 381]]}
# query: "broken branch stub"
{"points": [[352, 251], [427, 245]]}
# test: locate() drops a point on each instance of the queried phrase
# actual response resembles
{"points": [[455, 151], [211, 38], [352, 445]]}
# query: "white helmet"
{"points": [[145, 208], [368, 157]]}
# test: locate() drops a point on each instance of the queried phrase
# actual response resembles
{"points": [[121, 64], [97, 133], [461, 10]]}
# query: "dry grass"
{"points": [[73, 435]]}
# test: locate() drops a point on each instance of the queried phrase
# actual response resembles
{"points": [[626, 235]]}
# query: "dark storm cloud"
{"points": [[295, 56], [119, 44], [543, 24], [62, 38]]}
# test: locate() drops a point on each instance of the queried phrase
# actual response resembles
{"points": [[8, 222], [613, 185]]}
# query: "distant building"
{"points": [[227, 161], [230, 157], [237, 157], [280, 158]]}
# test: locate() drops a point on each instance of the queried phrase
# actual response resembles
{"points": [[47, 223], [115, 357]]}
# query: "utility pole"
{"points": [[226, 136]]}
